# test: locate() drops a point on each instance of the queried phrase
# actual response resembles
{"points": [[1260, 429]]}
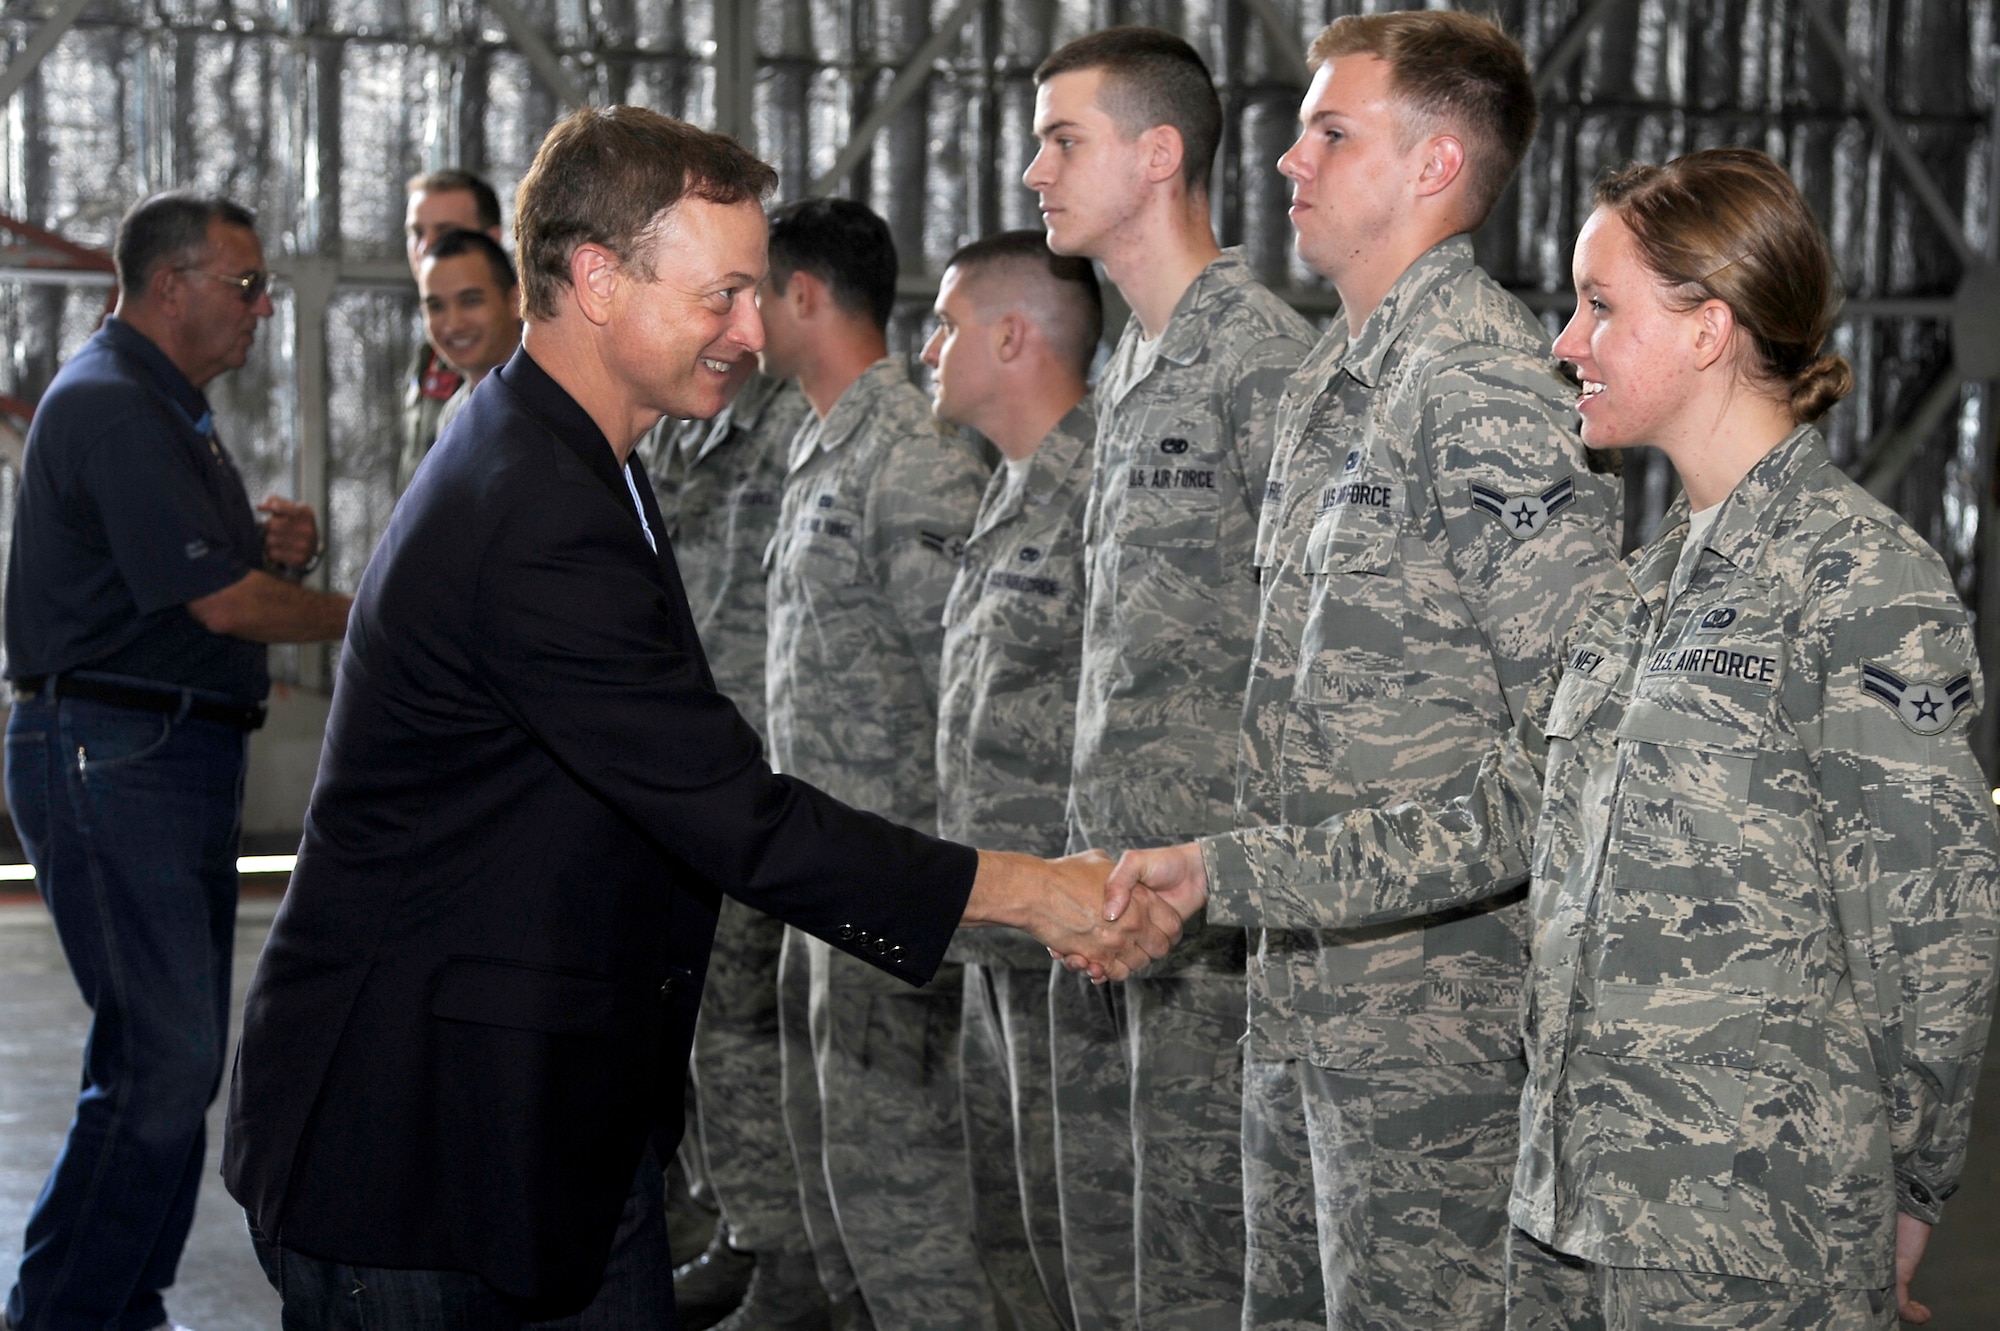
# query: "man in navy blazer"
{"points": [[467, 1035]]}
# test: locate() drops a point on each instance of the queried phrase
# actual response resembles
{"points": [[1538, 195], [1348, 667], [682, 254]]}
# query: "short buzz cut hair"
{"points": [[1451, 70], [170, 230], [485, 203], [1058, 292], [605, 176], [1151, 77], [844, 244], [457, 244]]}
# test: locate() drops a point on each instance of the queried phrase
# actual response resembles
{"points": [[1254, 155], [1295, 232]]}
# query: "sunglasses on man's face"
{"points": [[250, 286]]}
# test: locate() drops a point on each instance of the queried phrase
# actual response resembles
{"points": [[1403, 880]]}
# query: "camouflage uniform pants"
{"points": [[804, 1123], [1004, 1094], [1090, 1064], [1156, 1080], [739, 1074], [887, 1056], [1377, 1200], [1552, 1291]]}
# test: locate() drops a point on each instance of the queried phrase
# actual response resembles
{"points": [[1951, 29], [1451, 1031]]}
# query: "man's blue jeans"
{"points": [[131, 819]]}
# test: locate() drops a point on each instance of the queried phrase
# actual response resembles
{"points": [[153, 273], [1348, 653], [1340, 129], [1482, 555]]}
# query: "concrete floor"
{"points": [[42, 1025]]}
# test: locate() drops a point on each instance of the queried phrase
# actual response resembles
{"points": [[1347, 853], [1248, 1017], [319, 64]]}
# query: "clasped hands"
{"points": [[1098, 917]]}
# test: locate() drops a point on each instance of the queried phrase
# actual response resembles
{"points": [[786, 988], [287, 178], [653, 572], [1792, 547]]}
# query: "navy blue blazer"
{"points": [[479, 994]]}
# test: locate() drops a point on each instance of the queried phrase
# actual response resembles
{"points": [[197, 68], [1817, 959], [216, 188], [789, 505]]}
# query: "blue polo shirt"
{"points": [[129, 508]]}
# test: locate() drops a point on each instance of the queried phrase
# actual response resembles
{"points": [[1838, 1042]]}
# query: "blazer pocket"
{"points": [[523, 997]]}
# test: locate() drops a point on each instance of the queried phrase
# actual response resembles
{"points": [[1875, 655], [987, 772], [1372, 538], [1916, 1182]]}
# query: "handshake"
{"points": [[1097, 916]]}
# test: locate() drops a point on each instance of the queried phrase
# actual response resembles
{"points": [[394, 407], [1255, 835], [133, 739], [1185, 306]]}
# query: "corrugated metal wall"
{"points": [[315, 111]]}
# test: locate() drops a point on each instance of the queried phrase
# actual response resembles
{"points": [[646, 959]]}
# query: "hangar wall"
{"points": [[315, 111]]}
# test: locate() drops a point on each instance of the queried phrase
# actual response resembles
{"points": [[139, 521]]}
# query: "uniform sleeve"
{"points": [[169, 539], [921, 508], [1258, 385], [1910, 836], [1373, 866], [1530, 530]]}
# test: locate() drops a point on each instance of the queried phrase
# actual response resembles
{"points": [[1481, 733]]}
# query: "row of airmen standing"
{"points": [[1257, 577]]}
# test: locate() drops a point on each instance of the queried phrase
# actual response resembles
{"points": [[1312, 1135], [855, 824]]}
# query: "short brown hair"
{"points": [[1151, 78], [1728, 224], [1058, 292], [1450, 69], [603, 176], [450, 180]]}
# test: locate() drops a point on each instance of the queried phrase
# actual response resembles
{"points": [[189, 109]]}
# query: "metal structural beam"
{"points": [[736, 72], [39, 46], [908, 82], [1915, 174], [1573, 42], [1890, 453], [540, 54], [1287, 53]]}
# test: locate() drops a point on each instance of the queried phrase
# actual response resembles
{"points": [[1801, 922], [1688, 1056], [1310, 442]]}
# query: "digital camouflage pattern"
{"points": [[718, 483], [1394, 1190], [1766, 888], [1013, 642], [1403, 623], [1430, 527], [877, 506], [1547, 1291], [1183, 447]]}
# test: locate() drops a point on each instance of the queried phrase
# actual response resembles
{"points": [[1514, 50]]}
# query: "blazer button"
{"points": [[667, 987], [895, 952], [845, 933]]}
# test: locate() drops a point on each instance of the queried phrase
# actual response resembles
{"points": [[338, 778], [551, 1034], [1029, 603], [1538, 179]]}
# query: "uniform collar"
{"points": [[854, 409], [1050, 465], [190, 402], [1189, 331], [1742, 531], [1386, 323], [743, 414]]}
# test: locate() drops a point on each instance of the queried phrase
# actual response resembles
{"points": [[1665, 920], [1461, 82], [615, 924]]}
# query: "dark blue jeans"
{"points": [[131, 819], [637, 1293]]}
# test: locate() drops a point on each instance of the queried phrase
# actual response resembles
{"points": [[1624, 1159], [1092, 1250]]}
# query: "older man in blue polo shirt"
{"points": [[141, 592]]}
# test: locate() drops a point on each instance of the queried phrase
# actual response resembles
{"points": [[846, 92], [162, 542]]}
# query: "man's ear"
{"points": [[1163, 152], [1443, 163], [166, 290], [806, 294], [1010, 337], [595, 275]]}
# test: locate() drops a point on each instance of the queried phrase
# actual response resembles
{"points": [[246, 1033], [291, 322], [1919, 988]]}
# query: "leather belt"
{"points": [[242, 716]]}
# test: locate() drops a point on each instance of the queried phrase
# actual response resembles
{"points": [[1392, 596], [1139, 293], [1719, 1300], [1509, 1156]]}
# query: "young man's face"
{"points": [[1090, 177], [1350, 170], [474, 324], [679, 340], [964, 370], [433, 213]]}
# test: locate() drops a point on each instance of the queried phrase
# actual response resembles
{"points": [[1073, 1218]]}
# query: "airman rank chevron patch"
{"points": [[1927, 709], [1522, 516]]}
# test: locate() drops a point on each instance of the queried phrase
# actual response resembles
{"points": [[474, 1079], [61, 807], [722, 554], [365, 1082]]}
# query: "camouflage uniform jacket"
{"points": [[1013, 642], [1430, 530], [876, 509], [431, 384], [719, 483], [1183, 446], [1766, 878]]}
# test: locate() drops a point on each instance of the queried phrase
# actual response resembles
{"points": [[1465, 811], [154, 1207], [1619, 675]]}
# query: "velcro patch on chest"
{"points": [[1523, 516], [1926, 708]]}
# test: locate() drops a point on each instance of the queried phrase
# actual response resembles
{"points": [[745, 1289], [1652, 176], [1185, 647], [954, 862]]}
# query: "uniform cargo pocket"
{"points": [[1659, 1082]]}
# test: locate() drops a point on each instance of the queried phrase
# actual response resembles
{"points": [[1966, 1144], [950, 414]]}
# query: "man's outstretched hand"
{"points": [[1062, 903], [1172, 877]]}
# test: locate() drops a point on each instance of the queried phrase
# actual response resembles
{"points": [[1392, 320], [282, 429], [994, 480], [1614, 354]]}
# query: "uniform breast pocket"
{"points": [[1577, 699], [1689, 743], [1173, 488], [1024, 611], [1352, 645], [825, 547]]}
